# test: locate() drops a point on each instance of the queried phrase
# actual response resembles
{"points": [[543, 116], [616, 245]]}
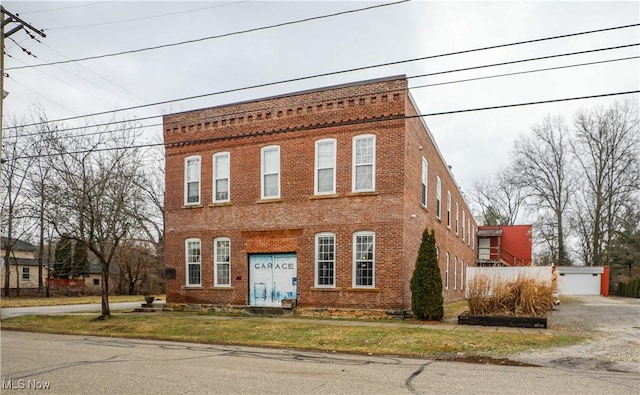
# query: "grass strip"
{"points": [[383, 339], [65, 300]]}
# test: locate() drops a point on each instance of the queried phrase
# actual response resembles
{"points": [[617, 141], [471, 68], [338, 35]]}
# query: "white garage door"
{"points": [[579, 284]]}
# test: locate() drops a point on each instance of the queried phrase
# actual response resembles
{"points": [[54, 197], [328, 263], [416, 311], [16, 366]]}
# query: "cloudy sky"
{"points": [[475, 144]]}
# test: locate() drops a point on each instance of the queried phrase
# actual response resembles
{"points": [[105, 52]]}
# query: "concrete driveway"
{"points": [[8, 312], [611, 323]]}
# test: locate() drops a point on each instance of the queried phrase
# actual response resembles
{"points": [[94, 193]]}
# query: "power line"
{"points": [[146, 17], [410, 77], [255, 29], [65, 8], [364, 121], [298, 79]]}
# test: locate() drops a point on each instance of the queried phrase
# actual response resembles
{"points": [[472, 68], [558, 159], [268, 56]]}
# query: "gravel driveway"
{"points": [[611, 323]]}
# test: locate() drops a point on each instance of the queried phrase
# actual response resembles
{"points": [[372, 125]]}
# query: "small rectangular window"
{"points": [[222, 262], [193, 262], [364, 259], [192, 180], [325, 164], [364, 163], [221, 176], [438, 198], [271, 172], [325, 259], [425, 177], [26, 275]]}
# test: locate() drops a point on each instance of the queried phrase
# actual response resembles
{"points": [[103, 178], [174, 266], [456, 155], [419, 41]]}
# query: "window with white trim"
{"points": [[473, 237], [364, 163], [325, 260], [26, 273], [462, 271], [449, 209], [455, 273], [469, 230], [364, 259], [222, 262], [221, 176], [457, 218], [425, 177], [325, 167], [464, 216], [192, 180], [270, 170], [446, 271], [193, 262], [438, 198]]}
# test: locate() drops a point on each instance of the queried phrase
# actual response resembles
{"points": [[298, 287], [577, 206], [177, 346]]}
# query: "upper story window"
{"points": [[449, 209], [364, 163], [464, 218], [438, 198], [192, 180], [457, 218], [469, 230], [221, 175], [270, 172], [193, 255], [425, 176], [325, 166], [325, 260], [473, 237], [364, 259], [222, 262]]}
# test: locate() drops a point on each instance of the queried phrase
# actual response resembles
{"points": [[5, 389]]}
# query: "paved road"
{"points": [[7, 312], [98, 365]]}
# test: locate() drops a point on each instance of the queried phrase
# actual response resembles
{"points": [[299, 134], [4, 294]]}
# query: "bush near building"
{"points": [[426, 283], [630, 289]]}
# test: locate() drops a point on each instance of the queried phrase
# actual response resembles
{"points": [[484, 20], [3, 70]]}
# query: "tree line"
{"points": [[578, 182], [88, 194]]}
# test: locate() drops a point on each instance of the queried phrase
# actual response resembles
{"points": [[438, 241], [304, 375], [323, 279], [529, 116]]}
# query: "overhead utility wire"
{"points": [[409, 77], [211, 139], [255, 29], [339, 72]]}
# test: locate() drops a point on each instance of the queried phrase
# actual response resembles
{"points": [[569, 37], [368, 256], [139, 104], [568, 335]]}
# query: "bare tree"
{"points": [[96, 193], [607, 147], [541, 166], [15, 218], [499, 198]]}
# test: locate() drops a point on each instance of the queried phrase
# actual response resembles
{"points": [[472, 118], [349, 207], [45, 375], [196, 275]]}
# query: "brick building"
{"points": [[320, 196]]}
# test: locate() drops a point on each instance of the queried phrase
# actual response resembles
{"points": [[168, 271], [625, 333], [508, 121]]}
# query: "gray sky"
{"points": [[475, 144]]}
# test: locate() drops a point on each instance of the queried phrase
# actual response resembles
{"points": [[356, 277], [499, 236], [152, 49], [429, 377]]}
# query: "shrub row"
{"points": [[629, 289]]}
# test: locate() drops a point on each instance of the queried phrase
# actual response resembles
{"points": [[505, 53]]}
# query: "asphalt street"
{"points": [[98, 365]]}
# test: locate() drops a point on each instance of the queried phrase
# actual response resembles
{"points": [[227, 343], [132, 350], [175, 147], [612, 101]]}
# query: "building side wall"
{"points": [[417, 217]]}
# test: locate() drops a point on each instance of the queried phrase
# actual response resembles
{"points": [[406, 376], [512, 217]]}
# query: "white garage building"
{"points": [[582, 280]]}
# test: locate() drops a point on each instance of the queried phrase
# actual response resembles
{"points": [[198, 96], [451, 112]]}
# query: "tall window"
{"points": [[473, 237], [325, 260], [464, 216], [364, 163], [438, 198], [425, 177], [449, 209], [271, 172], [457, 218], [469, 230], [462, 271], [221, 172], [222, 262], [455, 272], [325, 180], [363, 259], [446, 270], [194, 260], [192, 180]]}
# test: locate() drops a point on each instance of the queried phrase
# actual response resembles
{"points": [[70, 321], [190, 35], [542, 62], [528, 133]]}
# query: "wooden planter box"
{"points": [[501, 320]]}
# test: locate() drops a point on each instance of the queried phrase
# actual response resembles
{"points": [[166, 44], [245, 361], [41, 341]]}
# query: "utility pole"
{"points": [[7, 18]]}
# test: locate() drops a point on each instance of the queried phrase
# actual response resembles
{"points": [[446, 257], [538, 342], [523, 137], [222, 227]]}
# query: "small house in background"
{"points": [[23, 266], [504, 245]]}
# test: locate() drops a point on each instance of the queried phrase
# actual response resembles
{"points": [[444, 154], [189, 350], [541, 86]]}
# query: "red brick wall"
{"points": [[289, 224]]}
